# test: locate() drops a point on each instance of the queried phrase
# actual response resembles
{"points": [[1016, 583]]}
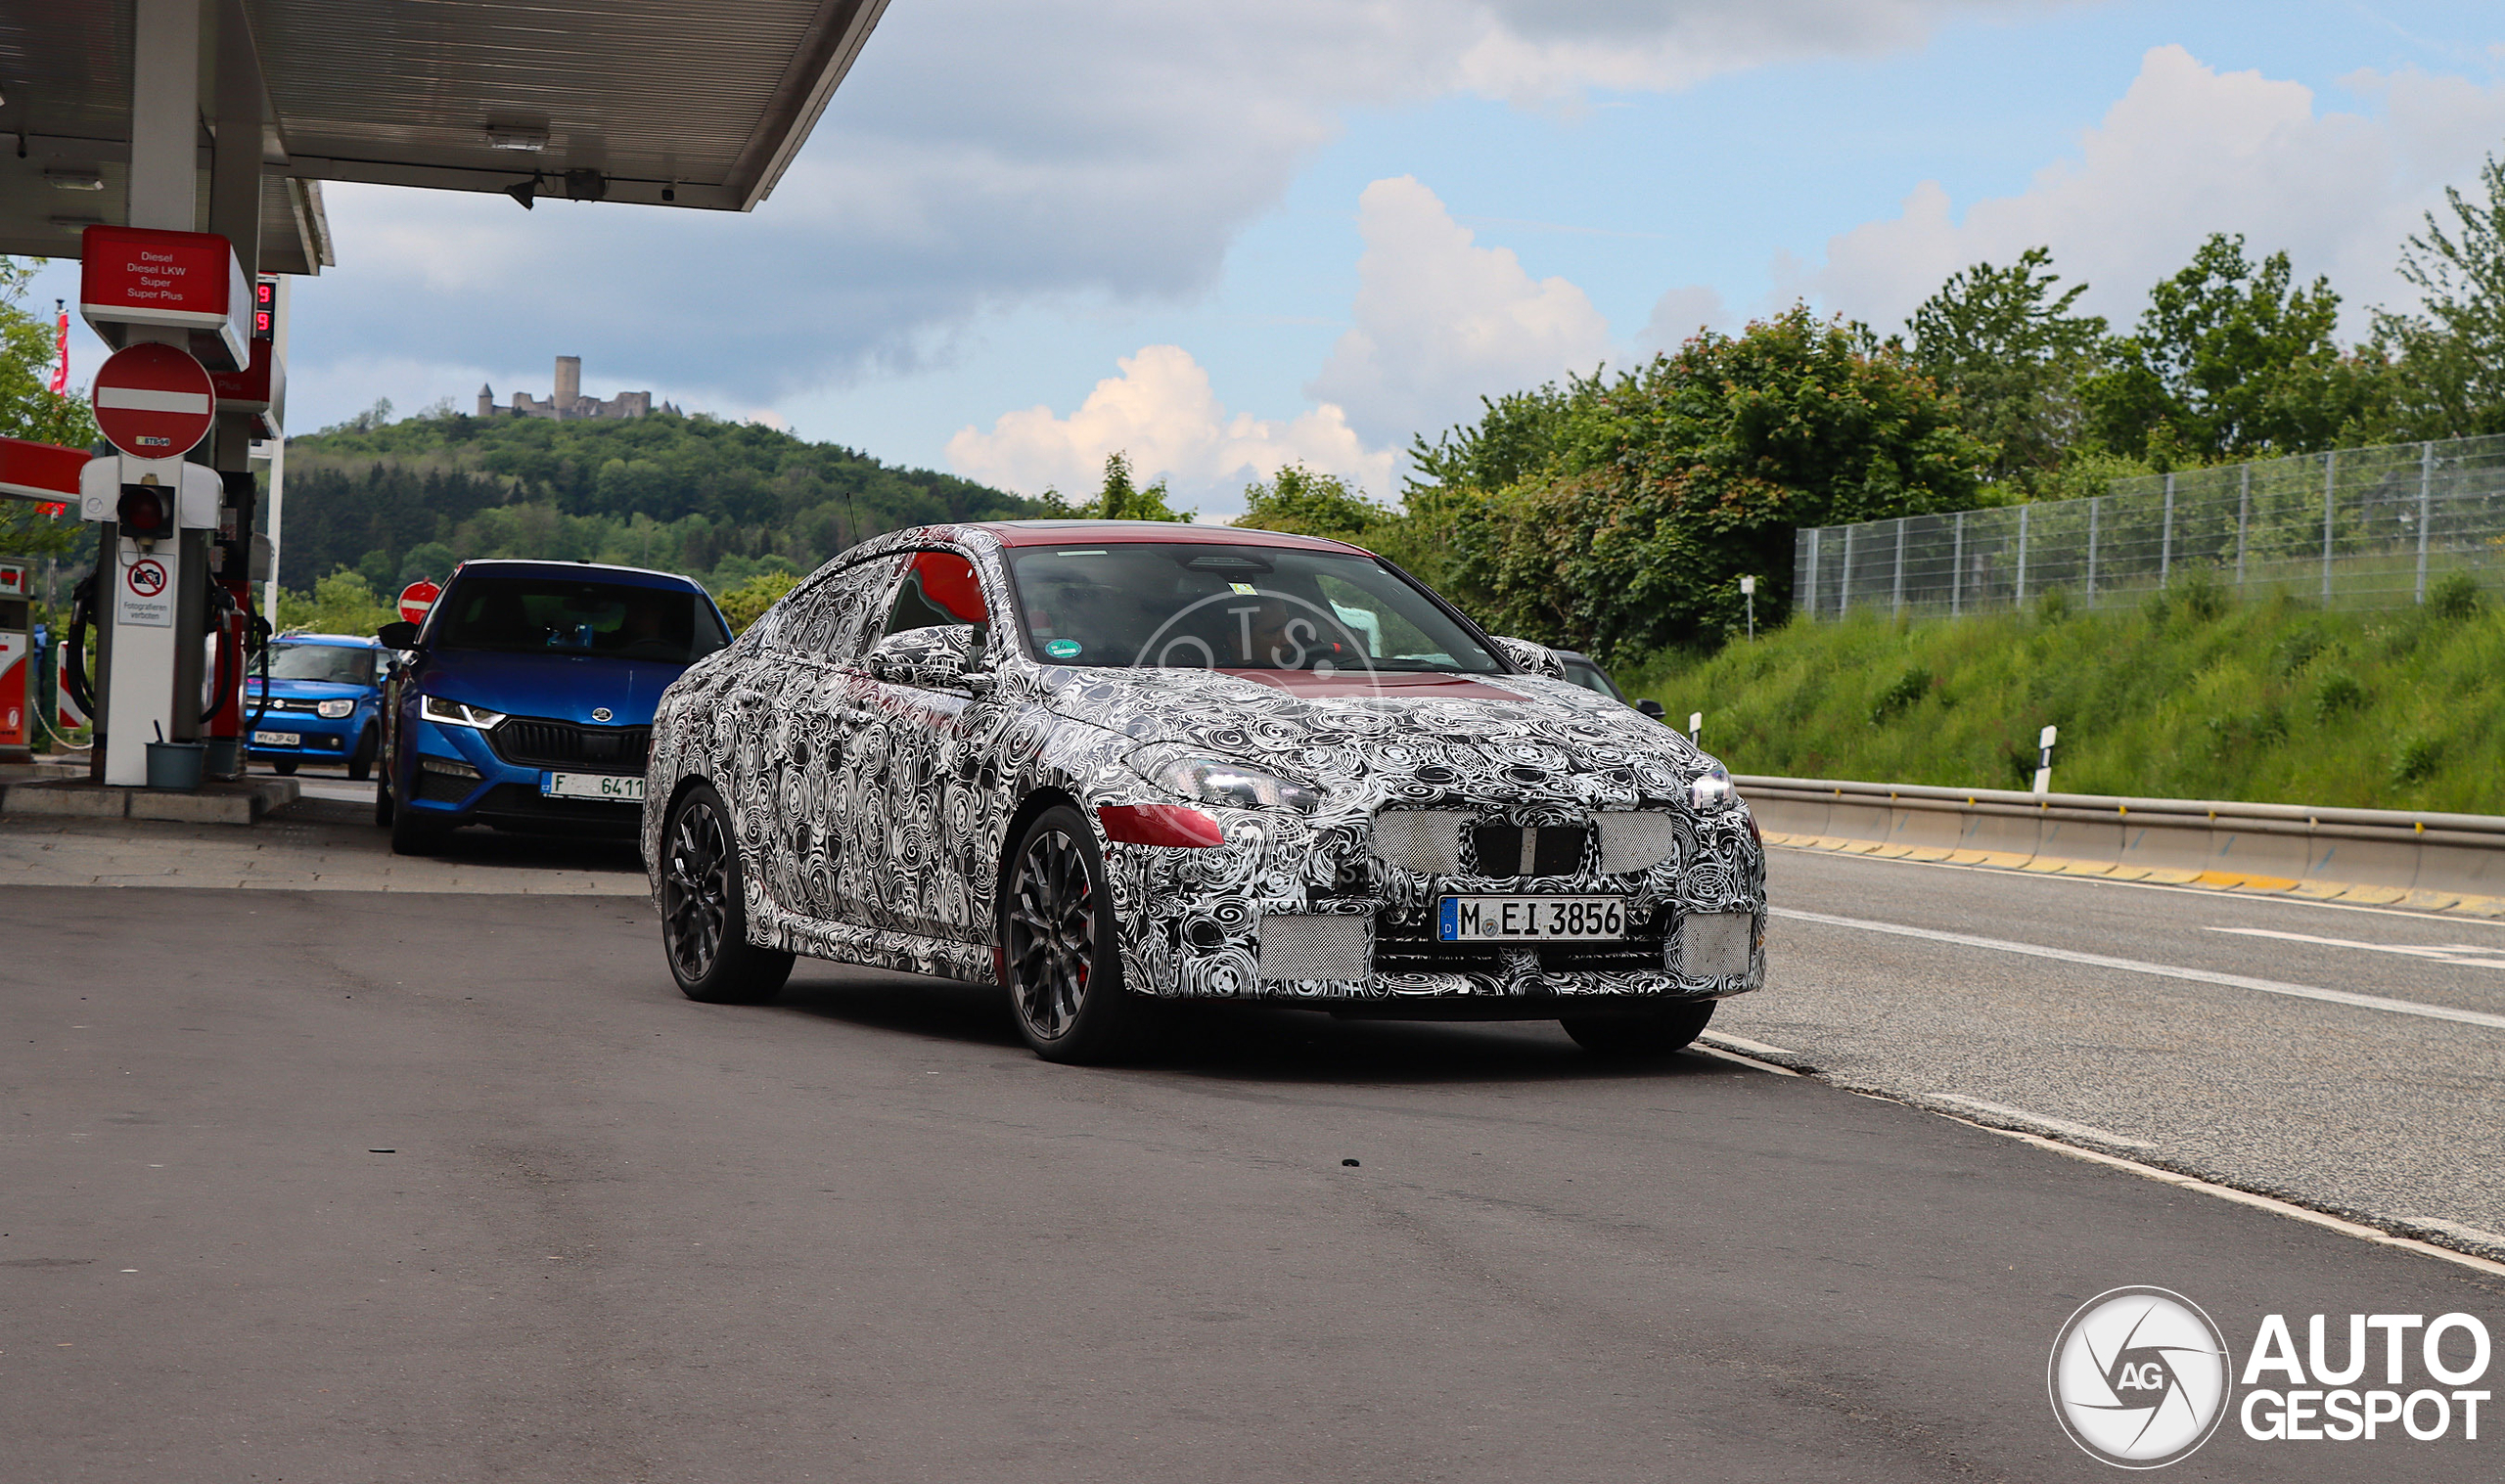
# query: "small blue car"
{"points": [[324, 702], [526, 700]]}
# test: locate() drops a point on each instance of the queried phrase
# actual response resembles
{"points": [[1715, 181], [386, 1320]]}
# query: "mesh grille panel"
{"points": [[1426, 840], [1314, 947], [1636, 842]]}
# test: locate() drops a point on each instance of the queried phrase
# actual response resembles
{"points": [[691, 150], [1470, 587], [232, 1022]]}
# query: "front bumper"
{"points": [[469, 784], [318, 739]]}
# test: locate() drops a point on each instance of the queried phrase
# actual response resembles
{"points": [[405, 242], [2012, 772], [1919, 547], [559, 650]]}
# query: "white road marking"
{"points": [[2061, 1126], [2262, 1202], [1703, 1049], [1744, 1044], [2442, 952], [2161, 971]]}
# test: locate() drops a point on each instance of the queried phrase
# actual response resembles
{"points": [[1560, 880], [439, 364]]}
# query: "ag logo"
{"points": [[2139, 1378]]}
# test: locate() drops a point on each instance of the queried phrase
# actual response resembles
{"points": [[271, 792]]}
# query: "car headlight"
{"points": [[1711, 792], [332, 710], [1233, 785], [457, 714]]}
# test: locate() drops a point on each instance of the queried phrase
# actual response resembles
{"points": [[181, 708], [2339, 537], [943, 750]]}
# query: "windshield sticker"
{"points": [[1063, 649], [1246, 587]]}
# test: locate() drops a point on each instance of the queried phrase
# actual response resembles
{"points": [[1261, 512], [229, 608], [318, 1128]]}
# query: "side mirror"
{"points": [[944, 657], [1651, 708], [1528, 658], [399, 634]]}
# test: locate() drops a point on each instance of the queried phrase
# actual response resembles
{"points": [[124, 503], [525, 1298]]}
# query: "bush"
{"points": [[1909, 688], [2204, 598], [2338, 692], [2417, 759], [746, 603], [2455, 598]]}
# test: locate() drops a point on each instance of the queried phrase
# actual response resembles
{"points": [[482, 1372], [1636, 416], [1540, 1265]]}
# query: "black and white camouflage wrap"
{"points": [[872, 815]]}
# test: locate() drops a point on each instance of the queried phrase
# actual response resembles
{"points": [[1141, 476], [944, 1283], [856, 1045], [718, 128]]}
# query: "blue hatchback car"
{"points": [[526, 700], [324, 702]]}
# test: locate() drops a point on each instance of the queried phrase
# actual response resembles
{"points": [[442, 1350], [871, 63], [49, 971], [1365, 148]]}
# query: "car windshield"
{"points": [[578, 617], [339, 664], [1586, 674], [1195, 605]]}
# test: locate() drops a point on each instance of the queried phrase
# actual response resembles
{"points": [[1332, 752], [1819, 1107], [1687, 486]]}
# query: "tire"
{"points": [[703, 913], [383, 798], [1642, 1034], [1065, 970], [284, 767], [412, 833], [361, 761]]}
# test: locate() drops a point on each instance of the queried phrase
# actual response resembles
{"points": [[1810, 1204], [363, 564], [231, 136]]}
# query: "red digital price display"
{"points": [[264, 308]]}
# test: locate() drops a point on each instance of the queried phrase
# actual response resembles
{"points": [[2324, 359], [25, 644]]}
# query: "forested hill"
{"points": [[719, 501]]}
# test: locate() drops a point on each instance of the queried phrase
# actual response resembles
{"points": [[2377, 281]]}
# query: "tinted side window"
{"points": [[833, 620]]}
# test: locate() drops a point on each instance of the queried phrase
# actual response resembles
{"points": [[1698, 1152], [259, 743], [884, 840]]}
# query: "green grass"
{"points": [[2184, 694]]}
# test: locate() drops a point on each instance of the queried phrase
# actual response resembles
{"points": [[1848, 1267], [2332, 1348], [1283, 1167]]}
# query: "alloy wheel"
{"points": [[1052, 934], [696, 890]]}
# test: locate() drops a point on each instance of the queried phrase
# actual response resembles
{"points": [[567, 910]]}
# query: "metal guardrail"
{"points": [[2485, 831]]}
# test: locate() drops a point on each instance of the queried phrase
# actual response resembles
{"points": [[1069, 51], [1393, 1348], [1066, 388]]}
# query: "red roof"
{"points": [[1098, 532]]}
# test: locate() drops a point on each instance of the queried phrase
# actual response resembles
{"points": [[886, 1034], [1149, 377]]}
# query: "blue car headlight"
{"points": [[454, 713]]}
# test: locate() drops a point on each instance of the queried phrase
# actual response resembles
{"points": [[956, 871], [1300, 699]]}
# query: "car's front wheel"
{"points": [[284, 767], [704, 915], [1636, 1034], [361, 761], [1065, 970]]}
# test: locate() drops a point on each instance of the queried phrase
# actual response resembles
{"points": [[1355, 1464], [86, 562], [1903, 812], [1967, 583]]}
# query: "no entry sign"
{"points": [[154, 401], [417, 597]]}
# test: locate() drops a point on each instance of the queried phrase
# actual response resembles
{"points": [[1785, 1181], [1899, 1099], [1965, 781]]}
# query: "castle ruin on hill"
{"points": [[568, 402]]}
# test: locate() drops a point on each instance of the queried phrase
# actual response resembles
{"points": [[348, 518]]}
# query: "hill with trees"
{"points": [[723, 502]]}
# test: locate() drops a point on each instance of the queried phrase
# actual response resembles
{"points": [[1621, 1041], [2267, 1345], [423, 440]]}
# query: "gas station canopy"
{"points": [[652, 102]]}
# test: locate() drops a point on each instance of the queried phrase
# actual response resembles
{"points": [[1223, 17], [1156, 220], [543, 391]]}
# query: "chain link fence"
{"points": [[2356, 528]]}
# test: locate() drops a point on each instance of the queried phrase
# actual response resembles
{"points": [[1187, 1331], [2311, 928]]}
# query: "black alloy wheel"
{"points": [[1642, 1034], [703, 916], [1057, 931]]}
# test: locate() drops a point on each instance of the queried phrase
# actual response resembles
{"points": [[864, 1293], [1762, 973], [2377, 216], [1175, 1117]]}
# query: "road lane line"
{"points": [[2245, 1197], [2050, 1124], [2161, 971], [2452, 953]]}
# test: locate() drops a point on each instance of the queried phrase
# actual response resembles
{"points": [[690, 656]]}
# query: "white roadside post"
{"points": [[1749, 591], [1695, 728], [2044, 760]]}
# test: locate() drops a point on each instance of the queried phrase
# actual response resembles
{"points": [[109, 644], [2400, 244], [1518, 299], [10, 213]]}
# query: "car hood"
{"points": [[1409, 737], [561, 687], [312, 690]]}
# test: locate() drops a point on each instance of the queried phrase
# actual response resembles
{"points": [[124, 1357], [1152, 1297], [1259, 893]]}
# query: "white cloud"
{"points": [[1677, 316], [1440, 319], [1162, 415], [1000, 152], [2189, 151]]}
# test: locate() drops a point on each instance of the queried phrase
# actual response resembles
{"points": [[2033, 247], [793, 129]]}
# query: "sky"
{"points": [[1222, 239]]}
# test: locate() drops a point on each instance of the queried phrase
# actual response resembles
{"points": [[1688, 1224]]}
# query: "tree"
{"points": [[2231, 360], [344, 603], [30, 409], [2450, 371], [1297, 499], [2012, 353], [1517, 437], [1666, 486], [1119, 500]]}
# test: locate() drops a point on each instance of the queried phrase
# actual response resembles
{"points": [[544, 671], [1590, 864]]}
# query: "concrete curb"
{"points": [[2425, 861], [241, 802]]}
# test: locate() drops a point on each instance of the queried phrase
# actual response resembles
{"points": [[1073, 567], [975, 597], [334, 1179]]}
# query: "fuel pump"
{"points": [[149, 596], [18, 688]]}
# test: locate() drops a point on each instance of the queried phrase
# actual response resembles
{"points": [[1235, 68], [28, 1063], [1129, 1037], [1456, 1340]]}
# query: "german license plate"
{"points": [[277, 739], [625, 787], [1462, 920]]}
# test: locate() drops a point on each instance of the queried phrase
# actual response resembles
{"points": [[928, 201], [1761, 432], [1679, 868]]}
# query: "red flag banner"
{"points": [[60, 345]]}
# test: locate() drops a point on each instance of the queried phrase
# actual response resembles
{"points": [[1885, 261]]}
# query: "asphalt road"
{"points": [[862, 1234]]}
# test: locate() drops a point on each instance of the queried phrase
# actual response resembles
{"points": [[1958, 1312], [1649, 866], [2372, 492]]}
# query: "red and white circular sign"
{"points": [[417, 599], [154, 401]]}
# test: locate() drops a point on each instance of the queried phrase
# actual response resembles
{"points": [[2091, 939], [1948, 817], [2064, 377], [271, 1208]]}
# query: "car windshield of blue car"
{"points": [[548, 614], [1177, 606], [337, 663]]}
